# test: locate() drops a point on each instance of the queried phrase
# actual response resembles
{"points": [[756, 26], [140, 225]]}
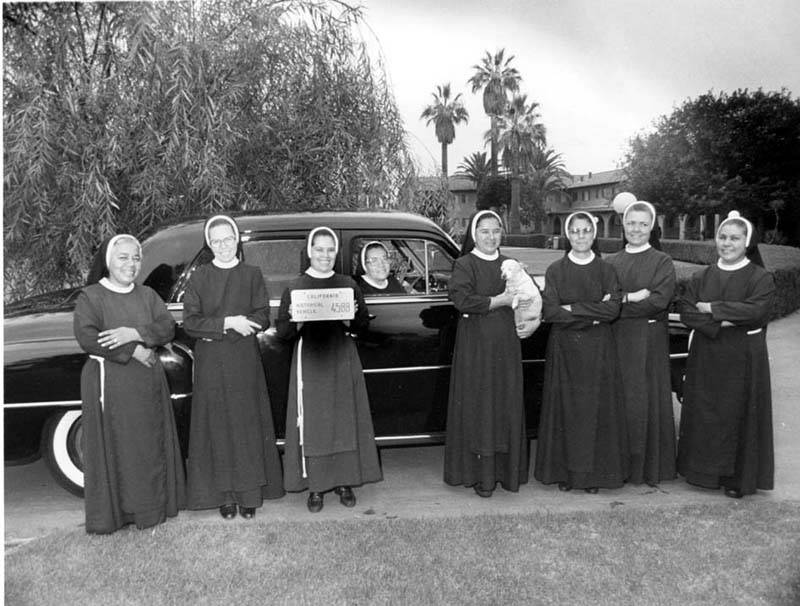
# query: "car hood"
{"points": [[46, 317], [58, 300], [35, 327]]}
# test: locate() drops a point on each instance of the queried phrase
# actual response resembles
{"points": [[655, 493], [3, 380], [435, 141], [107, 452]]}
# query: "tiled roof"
{"points": [[454, 183], [605, 177], [459, 183]]}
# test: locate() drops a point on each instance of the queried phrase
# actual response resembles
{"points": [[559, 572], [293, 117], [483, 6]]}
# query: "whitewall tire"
{"points": [[63, 451]]}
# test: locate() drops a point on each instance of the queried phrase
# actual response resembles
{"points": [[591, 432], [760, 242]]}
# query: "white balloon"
{"points": [[622, 200]]}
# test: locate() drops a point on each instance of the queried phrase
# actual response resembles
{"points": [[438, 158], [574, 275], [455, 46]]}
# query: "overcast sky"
{"points": [[601, 70]]}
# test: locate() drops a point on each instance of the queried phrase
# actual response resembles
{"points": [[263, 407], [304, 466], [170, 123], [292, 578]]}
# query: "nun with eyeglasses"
{"points": [[582, 441], [377, 278], [133, 468], [233, 461], [725, 437]]}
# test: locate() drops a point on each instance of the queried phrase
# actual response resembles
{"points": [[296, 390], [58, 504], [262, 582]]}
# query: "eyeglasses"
{"points": [[581, 231], [224, 242], [376, 260]]}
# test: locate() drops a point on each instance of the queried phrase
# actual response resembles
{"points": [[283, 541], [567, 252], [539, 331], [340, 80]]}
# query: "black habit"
{"points": [[133, 469], [642, 340], [486, 441], [232, 453], [582, 436], [726, 418], [337, 445]]}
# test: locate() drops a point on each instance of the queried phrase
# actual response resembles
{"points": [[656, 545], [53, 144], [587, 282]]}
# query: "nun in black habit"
{"points": [[133, 469], [233, 461], [582, 441], [330, 441], [725, 436], [486, 441]]}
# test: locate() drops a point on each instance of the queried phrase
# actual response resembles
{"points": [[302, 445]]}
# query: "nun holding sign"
{"points": [[330, 442]]}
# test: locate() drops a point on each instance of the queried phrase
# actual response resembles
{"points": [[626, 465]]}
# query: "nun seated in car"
{"points": [[376, 279]]}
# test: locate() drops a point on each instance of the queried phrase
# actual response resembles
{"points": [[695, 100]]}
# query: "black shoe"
{"points": [[248, 513], [315, 502], [733, 493], [482, 492], [564, 486], [592, 490], [228, 511], [346, 496]]}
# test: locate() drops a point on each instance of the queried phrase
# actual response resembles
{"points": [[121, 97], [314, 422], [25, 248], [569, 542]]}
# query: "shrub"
{"points": [[609, 245], [691, 251], [526, 240]]}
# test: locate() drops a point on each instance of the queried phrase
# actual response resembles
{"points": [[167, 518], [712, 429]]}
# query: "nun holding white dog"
{"points": [[486, 441]]}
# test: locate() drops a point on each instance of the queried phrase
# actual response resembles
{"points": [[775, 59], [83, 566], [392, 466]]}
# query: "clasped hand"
{"points": [[144, 355], [242, 325], [703, 307], [117, 337], [639, 295]]}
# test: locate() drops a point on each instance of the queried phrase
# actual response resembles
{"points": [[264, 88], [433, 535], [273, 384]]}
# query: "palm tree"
{"points": [[476, 167], [496, 78], [445, 114], [546, 176], [520, 136]]}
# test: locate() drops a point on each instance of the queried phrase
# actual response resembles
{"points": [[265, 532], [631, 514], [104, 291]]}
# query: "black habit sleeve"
{"points": [[87, 323]]}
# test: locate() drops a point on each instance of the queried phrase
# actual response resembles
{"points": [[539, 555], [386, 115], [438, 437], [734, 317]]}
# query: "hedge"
{"points": [[527, 240]]}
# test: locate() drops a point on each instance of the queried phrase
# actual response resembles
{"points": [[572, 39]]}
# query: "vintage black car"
{"points": [[406, 353]]}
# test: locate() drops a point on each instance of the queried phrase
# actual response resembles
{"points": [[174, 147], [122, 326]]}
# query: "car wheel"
{"points": [[63, 451]]}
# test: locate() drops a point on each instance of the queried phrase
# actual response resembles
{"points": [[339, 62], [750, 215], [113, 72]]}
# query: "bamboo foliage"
{"points": [[118, 116]]}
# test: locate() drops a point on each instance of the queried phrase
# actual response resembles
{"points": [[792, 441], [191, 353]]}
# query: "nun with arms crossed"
{"points": [[647, 279], [133, 469], [726, 419]]}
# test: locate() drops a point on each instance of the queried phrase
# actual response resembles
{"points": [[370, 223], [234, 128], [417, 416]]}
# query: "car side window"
{"points": [[280, 261], [164, 258], [421, 266]]}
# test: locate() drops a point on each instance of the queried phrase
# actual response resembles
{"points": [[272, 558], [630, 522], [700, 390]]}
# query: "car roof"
{"points": [[274, 221]]}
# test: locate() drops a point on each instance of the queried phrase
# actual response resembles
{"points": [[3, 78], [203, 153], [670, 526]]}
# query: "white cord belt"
{"points": [[102, 363], [755, 331], [300, 418]]}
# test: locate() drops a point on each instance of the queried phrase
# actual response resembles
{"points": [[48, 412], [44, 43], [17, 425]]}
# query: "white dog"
{"points": [[527, 304]]}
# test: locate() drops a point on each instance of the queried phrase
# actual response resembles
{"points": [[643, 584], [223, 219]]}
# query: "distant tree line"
{"points": [[725, 151], [120, 115]]}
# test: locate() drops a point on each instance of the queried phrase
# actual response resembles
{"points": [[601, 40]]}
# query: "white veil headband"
{"points": [[368, 245], [473, 227], [734, 216], [647, 205], [588, 215], [227, 220], [314, 232], [115, 240]]}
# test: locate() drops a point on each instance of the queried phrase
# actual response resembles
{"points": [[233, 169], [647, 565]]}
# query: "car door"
{"points": [[407, 351]]}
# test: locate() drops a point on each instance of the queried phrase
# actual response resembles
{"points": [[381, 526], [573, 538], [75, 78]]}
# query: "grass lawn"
{"points": [[731, 552]]}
